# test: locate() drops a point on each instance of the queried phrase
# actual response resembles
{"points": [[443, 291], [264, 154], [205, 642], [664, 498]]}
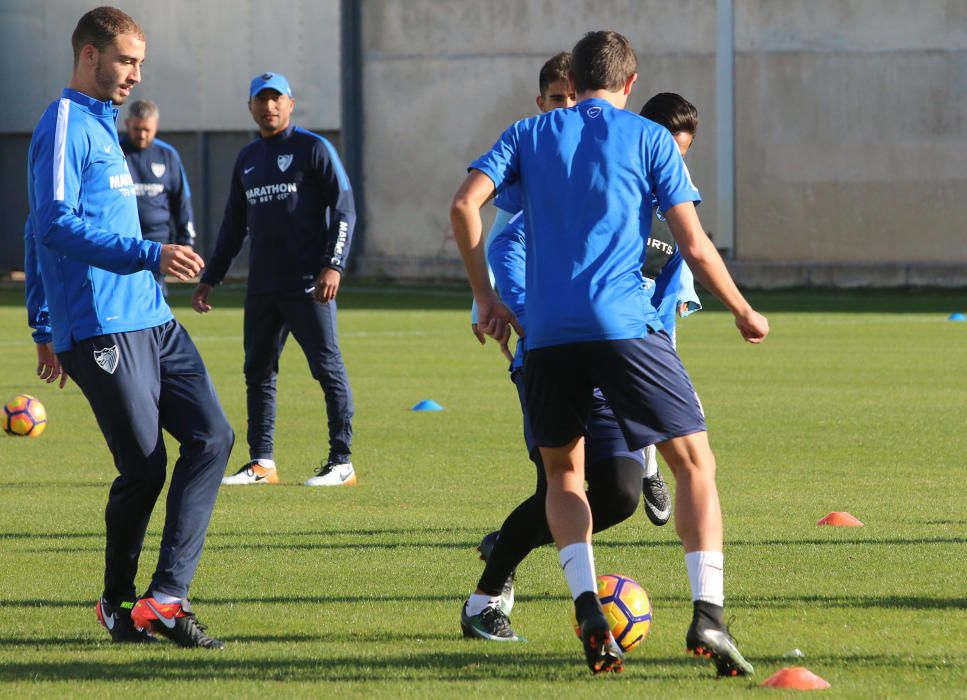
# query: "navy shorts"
{"points": [[642, 379], [603, 436]]}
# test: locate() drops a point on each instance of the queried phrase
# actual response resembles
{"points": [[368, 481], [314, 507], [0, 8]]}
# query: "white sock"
{"points": [[477, 602], [165, 599], [577, 560], [706, 576], [267, 463], [651, 463]]}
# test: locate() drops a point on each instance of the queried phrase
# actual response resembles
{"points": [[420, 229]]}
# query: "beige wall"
{"points": [[851, 131], [851, 118], [444, 78]]}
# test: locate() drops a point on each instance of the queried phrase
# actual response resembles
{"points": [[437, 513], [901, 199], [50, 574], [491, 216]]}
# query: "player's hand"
{"points": [[48, 366], [327, 286], [753, 326], [180, 261], [496, 320], [199, 298]]}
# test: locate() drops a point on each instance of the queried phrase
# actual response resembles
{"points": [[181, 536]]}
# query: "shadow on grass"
{"points": [[261, 536], [430, 664]]}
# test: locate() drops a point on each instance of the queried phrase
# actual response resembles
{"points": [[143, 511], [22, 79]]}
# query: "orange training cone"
{"points": [[841, 519], [795, 678]]}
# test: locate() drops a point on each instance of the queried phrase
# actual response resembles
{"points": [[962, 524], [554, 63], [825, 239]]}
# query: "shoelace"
{"points": [[495, 618], [324, 469]]}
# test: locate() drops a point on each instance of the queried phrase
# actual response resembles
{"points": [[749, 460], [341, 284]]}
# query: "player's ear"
{"points": [[89, 54], [540, 102], [629, 83]]}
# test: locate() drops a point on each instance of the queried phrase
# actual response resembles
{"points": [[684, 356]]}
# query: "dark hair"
{"points": [[556, 68], [673, 112], [100, 26], [602, 61]]}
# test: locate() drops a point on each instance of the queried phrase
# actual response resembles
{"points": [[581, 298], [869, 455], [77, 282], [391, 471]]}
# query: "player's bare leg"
{"points": [[698, 516], [569, 519], [698, 521]]}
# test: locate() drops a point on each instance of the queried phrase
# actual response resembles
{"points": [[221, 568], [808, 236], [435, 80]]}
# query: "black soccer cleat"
{"points": [[655, 499], [485, 547], [176, 621], [116, 619], [600, 650], [490, 624], [708, 636]]}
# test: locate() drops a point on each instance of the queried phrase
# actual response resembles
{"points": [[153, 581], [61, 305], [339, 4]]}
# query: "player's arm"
{"points": [[493, 316], [500, 221], [709, 269], [55, 197], [231, 235], [48, 366], [180, 204], [337, 194]]}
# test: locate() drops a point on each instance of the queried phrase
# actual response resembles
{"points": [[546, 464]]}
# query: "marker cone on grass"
{"points": [[957, 317], [795, 678], [427, 405], [840, 519]]}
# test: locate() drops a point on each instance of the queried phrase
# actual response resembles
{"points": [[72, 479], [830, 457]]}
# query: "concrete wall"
{"points": [[443, 78], [851, 134], [851, 131], [200, 59]]}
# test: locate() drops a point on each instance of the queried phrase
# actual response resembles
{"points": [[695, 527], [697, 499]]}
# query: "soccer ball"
{"points": [[24, 416], [627, 608]]}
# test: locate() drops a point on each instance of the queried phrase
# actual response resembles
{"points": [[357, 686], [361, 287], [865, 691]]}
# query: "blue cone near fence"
{"points": [[428, 405], [957, 317]]}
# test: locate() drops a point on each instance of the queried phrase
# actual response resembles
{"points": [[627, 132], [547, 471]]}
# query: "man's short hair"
{"points": [[556, 68], [602, 61], [673, 112], [100, 27], [143, 109]]}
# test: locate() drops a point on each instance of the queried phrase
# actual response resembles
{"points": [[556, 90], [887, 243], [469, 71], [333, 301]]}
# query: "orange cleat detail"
{"points": [[148, 610]]}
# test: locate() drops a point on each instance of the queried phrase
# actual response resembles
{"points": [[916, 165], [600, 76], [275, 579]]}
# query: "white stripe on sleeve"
{"points": [[60, 148]]}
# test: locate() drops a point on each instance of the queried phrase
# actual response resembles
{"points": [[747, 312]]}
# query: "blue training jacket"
{"points": [[291, 194], [164, 198], [88, 271]]}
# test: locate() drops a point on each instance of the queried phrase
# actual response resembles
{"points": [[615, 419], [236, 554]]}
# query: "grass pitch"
{"points": [[856, 402]]}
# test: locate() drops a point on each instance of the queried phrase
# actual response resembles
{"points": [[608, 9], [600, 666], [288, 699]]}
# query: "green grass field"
{"points": [[856, 402]]}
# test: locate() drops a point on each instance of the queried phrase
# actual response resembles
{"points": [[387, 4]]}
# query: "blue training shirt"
{"points": [[89, 272], [587, 175], [509, 199], [164, 198], [672, 290], [291, 194]]}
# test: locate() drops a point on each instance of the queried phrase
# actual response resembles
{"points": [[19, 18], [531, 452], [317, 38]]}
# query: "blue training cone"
{"points": [[957, 317], [427, 405]]}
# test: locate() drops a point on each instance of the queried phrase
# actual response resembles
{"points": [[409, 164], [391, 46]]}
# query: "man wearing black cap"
{"points": [[290, 193]]}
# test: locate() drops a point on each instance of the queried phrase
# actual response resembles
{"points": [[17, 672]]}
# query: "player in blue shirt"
{"points": [[291, 196], [588, 175], [164, 199], [614, 471], [99, 316]]}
